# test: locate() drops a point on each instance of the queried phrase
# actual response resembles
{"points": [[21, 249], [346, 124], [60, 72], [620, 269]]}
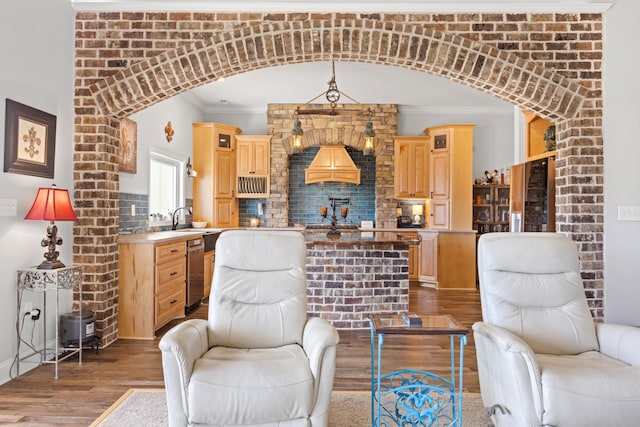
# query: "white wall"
{"points": [[493, 135], [151, 137], [34, 73], [622, 156]]}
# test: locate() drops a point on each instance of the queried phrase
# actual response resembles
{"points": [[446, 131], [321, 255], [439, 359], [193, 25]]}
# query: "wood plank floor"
{"points": [[83, 392]]}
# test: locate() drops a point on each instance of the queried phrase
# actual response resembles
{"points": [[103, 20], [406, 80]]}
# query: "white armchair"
{"points": [[542, 361], [257, 360]]}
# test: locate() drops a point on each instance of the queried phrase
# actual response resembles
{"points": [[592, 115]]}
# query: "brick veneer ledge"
{"points": [[548, 63]]}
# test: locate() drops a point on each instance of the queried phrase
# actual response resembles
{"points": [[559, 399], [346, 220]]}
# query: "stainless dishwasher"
{"points": [[195, 274]]}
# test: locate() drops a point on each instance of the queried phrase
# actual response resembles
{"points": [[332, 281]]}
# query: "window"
{"points": [[165, 185]]}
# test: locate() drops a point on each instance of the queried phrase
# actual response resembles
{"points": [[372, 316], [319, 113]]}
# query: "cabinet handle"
{"points": [[173, 251], [174, 273], [173, 301]]}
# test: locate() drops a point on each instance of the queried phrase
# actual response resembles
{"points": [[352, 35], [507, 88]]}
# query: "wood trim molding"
{"points": [[410, 6]]}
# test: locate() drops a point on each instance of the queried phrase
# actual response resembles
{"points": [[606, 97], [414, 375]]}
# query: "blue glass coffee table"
{"points": [[411, 397]]}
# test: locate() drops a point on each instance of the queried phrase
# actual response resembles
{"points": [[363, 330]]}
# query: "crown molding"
{"points": [[452, 110], [387, 6]]}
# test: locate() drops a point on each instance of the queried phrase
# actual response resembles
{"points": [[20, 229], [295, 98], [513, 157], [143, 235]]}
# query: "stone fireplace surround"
{"points": [[547, 63]]}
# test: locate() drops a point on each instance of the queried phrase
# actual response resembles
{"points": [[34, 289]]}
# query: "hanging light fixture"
{"points": [[369, 137], [296, 137], [333, 95]]}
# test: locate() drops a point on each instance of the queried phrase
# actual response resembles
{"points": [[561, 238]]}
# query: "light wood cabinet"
{"points": [[253, 166], [214, 158], [448, 259], [428, 272], [414, 255], [209, 264], [151, 287], [411, 166], [535, 144], [450, 176]]}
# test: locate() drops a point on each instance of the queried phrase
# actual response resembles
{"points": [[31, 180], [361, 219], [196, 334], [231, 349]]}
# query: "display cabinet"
{"points": [[490, 208]]}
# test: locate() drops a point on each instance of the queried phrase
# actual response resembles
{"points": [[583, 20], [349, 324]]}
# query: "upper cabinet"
{"points": [[411, 166], [539, 138], [253, 161], [214, 158], [450, 176]]}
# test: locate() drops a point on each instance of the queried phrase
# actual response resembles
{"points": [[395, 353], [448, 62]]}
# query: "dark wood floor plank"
{"points": [[83, 392]]}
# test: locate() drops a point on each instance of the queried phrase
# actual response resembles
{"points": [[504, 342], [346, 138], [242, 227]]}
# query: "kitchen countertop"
{"points": [[379, 235]]}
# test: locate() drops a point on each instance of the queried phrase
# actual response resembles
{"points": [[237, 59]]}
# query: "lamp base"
{"points": [[50, 265], [417, 219]]}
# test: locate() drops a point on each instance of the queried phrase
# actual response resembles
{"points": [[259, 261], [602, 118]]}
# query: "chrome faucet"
{"points": [[174, 220]]}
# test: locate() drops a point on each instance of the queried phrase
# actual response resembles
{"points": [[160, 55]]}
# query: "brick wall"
{"points": [[548, 63], [346, 283]]}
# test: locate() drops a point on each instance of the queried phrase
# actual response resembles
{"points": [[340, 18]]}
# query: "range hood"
{"points": [[332, 163]]}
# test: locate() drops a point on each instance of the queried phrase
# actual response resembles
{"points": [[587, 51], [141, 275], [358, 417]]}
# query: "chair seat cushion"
{"points": [[231, 386], [589, 389]]}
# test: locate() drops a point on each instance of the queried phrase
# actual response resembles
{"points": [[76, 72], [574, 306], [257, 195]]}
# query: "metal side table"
{"points": [[412, 397], [37, 280]]}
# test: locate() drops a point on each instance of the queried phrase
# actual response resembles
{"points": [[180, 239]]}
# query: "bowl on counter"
{"points": [[198, 224]]}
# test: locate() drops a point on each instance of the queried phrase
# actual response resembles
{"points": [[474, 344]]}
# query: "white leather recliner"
{"points": [[541, 358], [257, 360]]}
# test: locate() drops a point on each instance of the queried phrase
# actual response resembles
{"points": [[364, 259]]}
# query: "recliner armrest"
{"points": [[620, 342], [318, 334], [186, 343]]}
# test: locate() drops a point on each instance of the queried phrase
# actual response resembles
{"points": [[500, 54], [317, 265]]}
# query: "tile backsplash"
{"points": [[305, 200]]}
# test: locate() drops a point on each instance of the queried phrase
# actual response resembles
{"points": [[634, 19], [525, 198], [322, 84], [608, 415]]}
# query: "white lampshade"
{"points": [[416, 209]]}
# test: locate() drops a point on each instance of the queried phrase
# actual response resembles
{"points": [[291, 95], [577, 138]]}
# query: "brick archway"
{"points": [[245, 48]]}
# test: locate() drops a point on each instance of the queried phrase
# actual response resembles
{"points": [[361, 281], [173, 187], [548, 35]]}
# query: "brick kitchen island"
{"points": [[355, 275]]}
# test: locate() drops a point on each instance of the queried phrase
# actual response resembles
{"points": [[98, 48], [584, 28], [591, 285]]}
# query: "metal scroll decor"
{"points": [[43, 280], [418, 399]]}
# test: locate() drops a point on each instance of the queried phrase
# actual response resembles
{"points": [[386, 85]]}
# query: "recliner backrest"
{"points": [[258, 296], [530, 284]]}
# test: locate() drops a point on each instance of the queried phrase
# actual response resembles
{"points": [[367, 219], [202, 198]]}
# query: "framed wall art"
{"points": [[29, 140], [129, 146]]}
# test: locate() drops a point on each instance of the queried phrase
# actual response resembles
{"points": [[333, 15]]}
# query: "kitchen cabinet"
{"points": [[253, 166], [533, 195], [448, 259], [428, 266], [491, 208], [214, 158], [411, 167], [450, 176], [151, 287], [414, 255], [209, 264], [535, 144]]}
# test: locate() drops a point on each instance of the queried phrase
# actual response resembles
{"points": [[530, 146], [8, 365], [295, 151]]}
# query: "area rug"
{"points": [[148, 408]]}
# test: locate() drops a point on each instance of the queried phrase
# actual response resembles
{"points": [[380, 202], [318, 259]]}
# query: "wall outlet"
{"points": [[28, 306], [628, 213]]}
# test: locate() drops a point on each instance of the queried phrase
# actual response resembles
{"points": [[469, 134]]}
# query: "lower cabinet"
{"points": [[414, 255], [209, 265], [151, 287], [447, 259]]}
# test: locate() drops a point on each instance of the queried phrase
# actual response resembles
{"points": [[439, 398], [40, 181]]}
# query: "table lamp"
{"points": [[416, 210], [51, 204]]}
